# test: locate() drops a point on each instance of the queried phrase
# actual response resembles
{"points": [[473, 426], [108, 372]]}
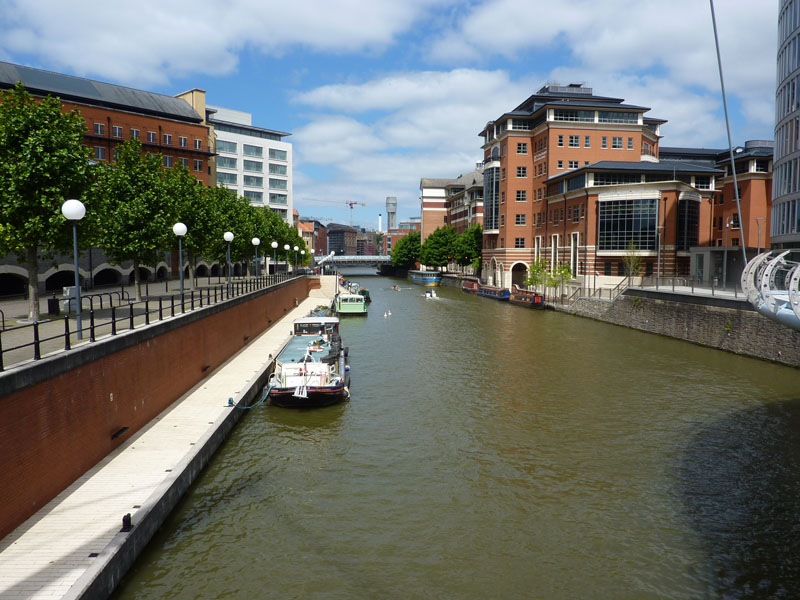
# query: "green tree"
{"points": [[138, 209], [43, 162], [468, 246], [537, 274], [558, 276], [632, 261], [406, 251], [194, 209], [439, 247]]}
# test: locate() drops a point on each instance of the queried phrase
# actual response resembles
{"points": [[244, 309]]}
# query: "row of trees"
{"points": [[131, 204], [441, 248]]}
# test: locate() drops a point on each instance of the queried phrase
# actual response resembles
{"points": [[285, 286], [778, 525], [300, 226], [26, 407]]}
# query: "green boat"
{"points": [[351, 304]]}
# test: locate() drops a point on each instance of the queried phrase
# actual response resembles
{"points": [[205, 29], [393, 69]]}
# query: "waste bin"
{"points": [[52, 306]]}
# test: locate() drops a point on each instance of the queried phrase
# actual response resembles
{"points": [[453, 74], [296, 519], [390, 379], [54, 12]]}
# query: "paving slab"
{"points": [[61, 550]]}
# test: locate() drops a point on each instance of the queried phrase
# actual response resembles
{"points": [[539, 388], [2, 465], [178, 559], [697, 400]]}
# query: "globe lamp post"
{"points": [[274, 257], [179, 229], [295, 258], [256, 242], [286, 247], [74, 211], [228, 237]]}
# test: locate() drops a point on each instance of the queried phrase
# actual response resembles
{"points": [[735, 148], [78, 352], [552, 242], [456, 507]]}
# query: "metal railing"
{"points": [[32, 341]]}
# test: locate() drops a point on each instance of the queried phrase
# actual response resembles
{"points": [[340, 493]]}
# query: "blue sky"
{"points": [[378, 94]]}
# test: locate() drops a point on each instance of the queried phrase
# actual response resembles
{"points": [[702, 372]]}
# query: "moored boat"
{"points": [[526, 297], [468, 285], [428, 278], [312, 368], [350, 304], [494, 292]]}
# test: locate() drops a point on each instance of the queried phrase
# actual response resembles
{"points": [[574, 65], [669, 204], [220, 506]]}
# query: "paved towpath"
{"points": [[59, 546]]}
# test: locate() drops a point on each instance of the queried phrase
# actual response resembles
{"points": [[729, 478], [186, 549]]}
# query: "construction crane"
{"points": [[351, 204]]}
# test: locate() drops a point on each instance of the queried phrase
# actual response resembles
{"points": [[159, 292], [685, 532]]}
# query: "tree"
{"points": [[632, 261], [468, 246], [406, 251], [439, 248], [43, 162], [193, 208], [139, 210], [558, 276], [537, 274]]}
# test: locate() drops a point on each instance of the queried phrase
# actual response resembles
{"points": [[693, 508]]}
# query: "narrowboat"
{"points": [[428, 278], [350, 304], [469, 285], [526, 297], [311, 370], [494, 292]]}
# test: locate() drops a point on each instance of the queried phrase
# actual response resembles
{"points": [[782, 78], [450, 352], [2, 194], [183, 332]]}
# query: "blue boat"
{"points": [[428, 278], [493, 292]]}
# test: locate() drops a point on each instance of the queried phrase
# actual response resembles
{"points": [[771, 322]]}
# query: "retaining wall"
{"points": [[59, 416], [730, 325]]}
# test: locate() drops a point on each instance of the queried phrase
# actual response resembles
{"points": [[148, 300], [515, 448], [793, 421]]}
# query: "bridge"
{"points": [[343, 260], [771, 282]]}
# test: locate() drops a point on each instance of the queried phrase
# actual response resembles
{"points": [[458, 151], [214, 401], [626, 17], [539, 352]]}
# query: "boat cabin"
{"points": [[316, 326]]}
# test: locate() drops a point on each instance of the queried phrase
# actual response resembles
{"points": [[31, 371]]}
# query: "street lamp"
{"points": [[74, 211], [179, 229], [728, 223], [274, 257], [286, 247], [228, 236], [658, 254], [303, 257], [256, 242], [295, 258]]}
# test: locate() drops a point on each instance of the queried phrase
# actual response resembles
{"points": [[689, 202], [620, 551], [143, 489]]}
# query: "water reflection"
{"points": [[741, 486]]}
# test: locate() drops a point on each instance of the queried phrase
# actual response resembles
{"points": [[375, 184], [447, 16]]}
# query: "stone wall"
{"points": [[724, 324]]}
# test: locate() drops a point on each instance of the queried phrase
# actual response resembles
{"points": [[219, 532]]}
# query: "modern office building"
{"points": [[342, 239], [785, 225], [457, 202], [253, 161]]}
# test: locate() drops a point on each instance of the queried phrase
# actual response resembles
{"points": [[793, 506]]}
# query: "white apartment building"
{"points": [[253, 161]]}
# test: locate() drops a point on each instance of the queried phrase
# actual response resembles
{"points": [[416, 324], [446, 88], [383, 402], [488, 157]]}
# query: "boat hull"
{"points": [[314, 398], [426, 278], [493, 292], [527, 299], [470, 286]]}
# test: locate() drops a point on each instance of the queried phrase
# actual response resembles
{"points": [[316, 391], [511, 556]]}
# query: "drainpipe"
{"points": [[586, 236]]}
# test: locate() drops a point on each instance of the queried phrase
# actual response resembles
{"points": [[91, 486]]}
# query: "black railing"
{"points": [[31, 341]]}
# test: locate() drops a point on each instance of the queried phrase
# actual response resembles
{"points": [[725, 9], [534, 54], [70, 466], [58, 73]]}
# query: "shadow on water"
{"points": [[741, 488]]}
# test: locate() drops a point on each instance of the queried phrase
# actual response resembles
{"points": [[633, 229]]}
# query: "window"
{"points": [[226, 162], [167, 139], [621, 268], [604, 142], [198, 144], [630, 143], [182, 141], [99, 153], [519, 242], [254, 165], [587, 141], [617, 117], [519, 219], [573, 164], [184, 162], [116, 131], [151, 137], [502, 220], [254, 196], [539, 194], [134, 134], [563, 114], [227, 178], [253, 150], [254, 181], [616, 143], [167, 161], [522, 171], [616, 178], [278, 198], [522, 148], [522, 195], [277, 154], [223, 146], [702, 182], [277, 184], [648, 269], [607, 268], [99, 129], [502, 197], [277, 169], [560, 141], [502, 242], [115, 154], [503, 173], [621, 222], [561, 164], [198, 165], [574, 141]]}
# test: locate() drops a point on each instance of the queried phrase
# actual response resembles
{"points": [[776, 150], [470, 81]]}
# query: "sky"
{"points": [[378, 94]]}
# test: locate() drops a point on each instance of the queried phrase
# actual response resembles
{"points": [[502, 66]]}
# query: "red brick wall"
{"points": [[53, 432]]}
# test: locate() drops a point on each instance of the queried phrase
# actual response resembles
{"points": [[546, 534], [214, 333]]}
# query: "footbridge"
{"points": [[771, 282], [344, 260]]}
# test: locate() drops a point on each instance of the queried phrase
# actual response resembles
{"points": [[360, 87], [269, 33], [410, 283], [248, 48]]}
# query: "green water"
{"points": [[491, 451]]}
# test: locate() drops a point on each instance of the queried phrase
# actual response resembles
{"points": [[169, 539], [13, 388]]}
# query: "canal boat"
{"points": [[526, 297], [350, 304], [312, 368], [427, 278], [468, 285], [493, 292]]}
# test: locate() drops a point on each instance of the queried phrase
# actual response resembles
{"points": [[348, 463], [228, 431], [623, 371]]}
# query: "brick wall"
{"points": [[57, 423], [739, 330]]}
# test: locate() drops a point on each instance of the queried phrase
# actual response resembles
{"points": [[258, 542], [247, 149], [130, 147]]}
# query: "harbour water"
{"points": [[492, 451]]}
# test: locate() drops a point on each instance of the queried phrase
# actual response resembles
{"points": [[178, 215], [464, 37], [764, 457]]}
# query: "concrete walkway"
{"points": [[73, 541]]}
